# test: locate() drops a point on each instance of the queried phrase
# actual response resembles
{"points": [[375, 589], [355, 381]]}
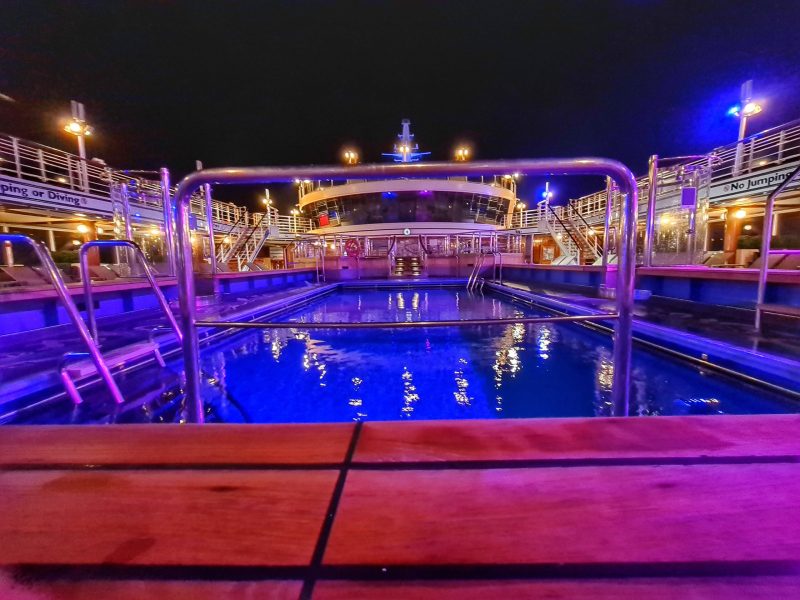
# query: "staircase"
{"points": [[407, 266], [246, 242], [573, 235]]}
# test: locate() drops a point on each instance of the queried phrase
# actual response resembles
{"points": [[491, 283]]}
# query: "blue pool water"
{"points": [[465, 372], [488, 371]]}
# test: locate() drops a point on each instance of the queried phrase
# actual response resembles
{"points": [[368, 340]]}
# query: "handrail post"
{"points": [[652, 192], [766, 243], [148, 272], [621, 388], [212, 247], [169, 221]]}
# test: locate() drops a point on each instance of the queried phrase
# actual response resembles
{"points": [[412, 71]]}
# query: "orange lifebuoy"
{"points": [[352, 247]]}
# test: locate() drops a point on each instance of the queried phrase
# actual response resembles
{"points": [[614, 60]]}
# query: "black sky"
{"points": [[244, 83]]}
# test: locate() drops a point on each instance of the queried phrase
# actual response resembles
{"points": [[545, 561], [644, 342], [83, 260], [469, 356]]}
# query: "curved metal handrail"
{"points": [[548, 167], [86, 279], [72, 311]]}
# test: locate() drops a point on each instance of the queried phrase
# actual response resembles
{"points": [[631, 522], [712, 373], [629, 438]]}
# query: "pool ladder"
{"points": [[74, 315], [68, 369], [475, 281]]}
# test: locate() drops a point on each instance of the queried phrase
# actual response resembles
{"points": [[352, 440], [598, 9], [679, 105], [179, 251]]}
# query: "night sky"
{"points": [[245, 83]]}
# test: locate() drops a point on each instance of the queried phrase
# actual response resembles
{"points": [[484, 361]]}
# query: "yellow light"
{"points": [[76, 242], [748, 227], [99, 230], [665, 219], [226, 240], [740, 214], [82, 228], [155, 230], [73, 127], [294, 212], [591, 232]]}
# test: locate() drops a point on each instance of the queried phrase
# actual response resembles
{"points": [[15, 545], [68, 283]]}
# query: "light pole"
{"points": [[462, 154], [80, 129], [350, 157], [745, 109]]}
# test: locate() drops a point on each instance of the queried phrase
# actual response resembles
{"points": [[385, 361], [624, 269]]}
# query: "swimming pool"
{"points": [[463, 372]]}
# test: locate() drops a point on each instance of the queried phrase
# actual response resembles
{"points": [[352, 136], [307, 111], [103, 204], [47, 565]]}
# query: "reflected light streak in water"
{"points": [[410, 396]]}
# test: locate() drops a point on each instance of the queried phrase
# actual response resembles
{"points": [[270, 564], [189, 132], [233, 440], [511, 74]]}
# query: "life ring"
{"points": [[352, 247]]}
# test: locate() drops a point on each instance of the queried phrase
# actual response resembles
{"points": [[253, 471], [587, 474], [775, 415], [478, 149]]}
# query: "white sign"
{"points": [[39, 195], [756, 184]]}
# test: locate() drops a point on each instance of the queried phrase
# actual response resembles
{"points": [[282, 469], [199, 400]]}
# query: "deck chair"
{"points": [[790, 263], [102, 273], [774, 259], [24, 276], [717, 259]]}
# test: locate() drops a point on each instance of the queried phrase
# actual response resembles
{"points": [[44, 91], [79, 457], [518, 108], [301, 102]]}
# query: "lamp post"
{"points": [[462, 154], [350, 157], [80, 129], [744, 110]]}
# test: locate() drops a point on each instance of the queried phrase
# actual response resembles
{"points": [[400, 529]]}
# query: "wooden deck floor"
{"points": [[669, 507]]}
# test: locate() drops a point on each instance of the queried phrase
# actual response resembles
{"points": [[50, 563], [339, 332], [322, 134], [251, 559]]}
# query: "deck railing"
{"points": [[38, 163]]}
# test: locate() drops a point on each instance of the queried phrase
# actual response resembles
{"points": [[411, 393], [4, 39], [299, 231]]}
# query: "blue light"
{"points": [[734, 110]]}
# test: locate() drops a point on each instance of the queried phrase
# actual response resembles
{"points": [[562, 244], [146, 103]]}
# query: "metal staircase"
{"points": [[574, 236], [245, 242]]}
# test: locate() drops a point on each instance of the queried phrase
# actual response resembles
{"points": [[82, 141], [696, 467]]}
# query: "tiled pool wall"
{"points": [[705, 286], [30, 310]]}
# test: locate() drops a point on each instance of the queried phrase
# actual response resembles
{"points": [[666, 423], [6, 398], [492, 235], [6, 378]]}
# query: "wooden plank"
{"points": [[162, 517], [162, 444], [668, 588], [600, 438], [139, 589], [575, 515]]}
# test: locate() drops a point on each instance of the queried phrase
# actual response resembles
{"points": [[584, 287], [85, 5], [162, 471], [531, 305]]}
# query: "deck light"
{"points": [[665, 219], [521, 205], [740, 214], [748, 227], [350, 157], [78, 126], [82, 228], [76, 242], [295, 212], [99, 230], [462, 154]]}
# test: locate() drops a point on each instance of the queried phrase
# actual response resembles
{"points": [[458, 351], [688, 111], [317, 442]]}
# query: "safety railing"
{"points": [[623, 315], [86, 278], [766, 242], [74, 316]]}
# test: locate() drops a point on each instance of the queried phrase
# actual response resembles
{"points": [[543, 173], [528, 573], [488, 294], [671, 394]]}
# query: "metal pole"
{"points": [[126, 210], [148, 272], [169, 221], [541, 167], [766, 242], [652, 193], [212, 246]]}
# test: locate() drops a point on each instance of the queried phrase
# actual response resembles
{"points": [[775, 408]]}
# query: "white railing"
{"points": [[760, 151], [38, 163]]}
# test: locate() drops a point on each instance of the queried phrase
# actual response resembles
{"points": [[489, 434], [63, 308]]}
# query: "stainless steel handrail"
{"points": [[86, 279], [72, 311], [402, 324], [766, 242], [621, 386], [473, 276]]}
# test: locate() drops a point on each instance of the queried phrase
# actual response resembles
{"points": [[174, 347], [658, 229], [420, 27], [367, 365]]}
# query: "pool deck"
{"points": [[663, 507]]}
